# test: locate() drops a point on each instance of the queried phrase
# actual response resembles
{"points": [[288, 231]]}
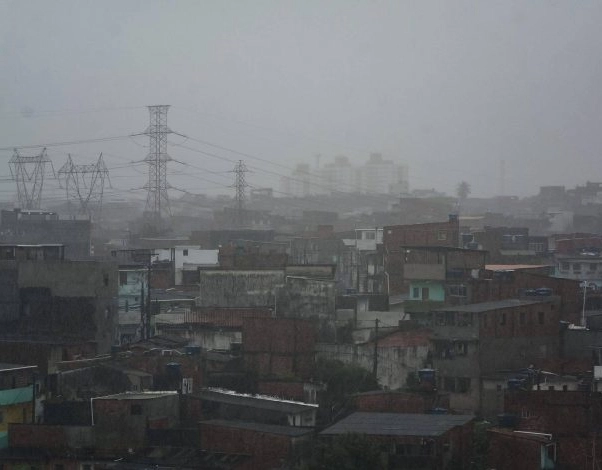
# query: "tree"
{"points": [[350, 451], [463, 190], [341, 380]]}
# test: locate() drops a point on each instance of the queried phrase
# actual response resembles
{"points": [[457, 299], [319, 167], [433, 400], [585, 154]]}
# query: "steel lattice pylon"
{"points": [[157, 199], [85, 185], [240, 185], [28, 173]]}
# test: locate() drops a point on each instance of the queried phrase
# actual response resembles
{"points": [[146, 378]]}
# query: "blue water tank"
{"points": [[516, 384]]}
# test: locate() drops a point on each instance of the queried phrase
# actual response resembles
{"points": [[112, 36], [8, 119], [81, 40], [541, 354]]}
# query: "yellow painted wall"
{"points": [[14, 414]]}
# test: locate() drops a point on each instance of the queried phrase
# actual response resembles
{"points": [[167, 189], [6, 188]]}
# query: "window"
{"points": [[464, 319], [184, 252], [551, 387], [449, 384], [441, 235], [425, 293], [593, 267], [123, 278], [565, 388], [416, 293], [370, 235], [461, 348], [524, 412], [136, 409], [576, 267], [540, 318], [463, 385], [565, 266], [105, 279], [503, 318], [457, 291]]}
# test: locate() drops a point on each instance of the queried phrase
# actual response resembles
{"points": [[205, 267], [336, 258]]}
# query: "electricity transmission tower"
{"points": [[85, 185], [240, 185], [28, 173], [157, 199]]}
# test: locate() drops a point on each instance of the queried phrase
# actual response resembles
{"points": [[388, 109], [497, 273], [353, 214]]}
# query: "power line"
{"points": [[64, 143]]}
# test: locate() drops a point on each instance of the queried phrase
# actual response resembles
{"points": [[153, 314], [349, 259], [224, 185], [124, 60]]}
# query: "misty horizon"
{"points": [[502, 96]]}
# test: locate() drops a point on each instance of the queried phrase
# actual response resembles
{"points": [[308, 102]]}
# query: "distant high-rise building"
{"points": [[376, 176], [339, 176], [382, 176]]}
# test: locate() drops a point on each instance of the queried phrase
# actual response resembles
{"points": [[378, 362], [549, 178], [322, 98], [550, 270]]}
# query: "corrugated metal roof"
{"points": [[494, 305], [397, 424], [514, 267]]}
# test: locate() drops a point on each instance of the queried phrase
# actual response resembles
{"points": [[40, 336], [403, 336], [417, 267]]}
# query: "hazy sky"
{"points": [[451, 87]]}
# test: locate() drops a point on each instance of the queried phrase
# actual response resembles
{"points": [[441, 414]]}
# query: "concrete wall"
{"points": [[394, 363], [74, 234], [84, 293], [9, 292], [239, 288], [304, 297], [578, 343], [206, 338], [119, 425]]}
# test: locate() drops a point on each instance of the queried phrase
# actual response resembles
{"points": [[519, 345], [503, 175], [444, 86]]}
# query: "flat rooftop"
{"points": [[255, 401], [138, 395], [397, 424]]}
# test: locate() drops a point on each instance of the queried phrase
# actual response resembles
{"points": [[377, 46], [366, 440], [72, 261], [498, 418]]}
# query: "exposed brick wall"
{"points": [[563, 414], [498, 288], [279, 346], [396, 236], [394, 402], [521, 321], [525, 452], [266, 450]]}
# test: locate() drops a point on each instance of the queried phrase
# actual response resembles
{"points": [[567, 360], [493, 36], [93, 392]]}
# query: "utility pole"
{"points": [[157, 199], [240, 185], [147, 326], [28, 173], [375, 357]]}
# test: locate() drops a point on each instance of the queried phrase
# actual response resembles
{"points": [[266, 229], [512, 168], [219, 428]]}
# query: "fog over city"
{"points": [[455, 90]]}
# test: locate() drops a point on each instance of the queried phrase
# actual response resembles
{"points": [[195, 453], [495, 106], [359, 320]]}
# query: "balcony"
{"points": [[426, 272]]}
